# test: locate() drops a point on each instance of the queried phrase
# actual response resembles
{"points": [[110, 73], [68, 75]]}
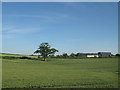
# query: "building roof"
{"points": [[93, 53], [104, 52], [87, 53]]}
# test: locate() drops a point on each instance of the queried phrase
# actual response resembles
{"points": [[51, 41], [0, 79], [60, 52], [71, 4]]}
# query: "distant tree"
{"points": [[72, 55], [51, 56], [53, 51], [45, 50], [65, 55], [57, 56], [117, 55]]}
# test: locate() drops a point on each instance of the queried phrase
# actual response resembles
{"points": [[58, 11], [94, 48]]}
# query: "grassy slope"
{"points": [[17, 55], [84, 73]]}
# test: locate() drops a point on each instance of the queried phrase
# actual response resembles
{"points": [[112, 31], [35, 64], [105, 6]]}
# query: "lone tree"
{"points": [[45, 50]]}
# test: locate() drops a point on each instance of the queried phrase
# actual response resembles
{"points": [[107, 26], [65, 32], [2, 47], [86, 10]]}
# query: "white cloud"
{"points": [[7, 28], [49, 16], [11, 29], [11, 32]]}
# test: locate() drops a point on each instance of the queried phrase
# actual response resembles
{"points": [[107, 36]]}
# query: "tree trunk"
{"points": [[38, 56], [45, 59]]}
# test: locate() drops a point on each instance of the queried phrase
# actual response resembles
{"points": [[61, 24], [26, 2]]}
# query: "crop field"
{"points": [[60, 73]]}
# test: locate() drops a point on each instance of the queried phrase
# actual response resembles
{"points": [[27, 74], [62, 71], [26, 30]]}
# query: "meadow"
{"points": [[60, 73]]}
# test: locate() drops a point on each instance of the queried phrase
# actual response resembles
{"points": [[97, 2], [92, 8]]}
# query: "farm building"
{"points": [[99, 54], [104, 54], [87, 55]]}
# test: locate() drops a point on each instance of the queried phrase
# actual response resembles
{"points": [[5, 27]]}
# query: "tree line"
{"points": [[46, 51], [64, 55]]}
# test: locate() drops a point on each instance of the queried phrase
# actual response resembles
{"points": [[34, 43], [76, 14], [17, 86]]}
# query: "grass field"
{"points": [[60, 73]]}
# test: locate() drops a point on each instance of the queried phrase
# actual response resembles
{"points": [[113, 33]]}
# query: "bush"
{"points": [[24, 57], [10, 57], [118, 55]]}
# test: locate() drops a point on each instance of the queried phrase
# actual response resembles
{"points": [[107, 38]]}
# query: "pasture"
{"points": [[60, 73]]}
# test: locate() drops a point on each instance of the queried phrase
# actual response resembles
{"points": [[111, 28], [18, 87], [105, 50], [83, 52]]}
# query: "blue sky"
{"points": [[68, 27]]}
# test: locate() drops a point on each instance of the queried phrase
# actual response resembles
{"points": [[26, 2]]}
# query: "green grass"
{"points": [[60, 73]]}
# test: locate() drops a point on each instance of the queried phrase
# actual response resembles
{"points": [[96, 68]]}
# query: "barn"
{"points": [[82, 55], [99, 54], [104, 54]]}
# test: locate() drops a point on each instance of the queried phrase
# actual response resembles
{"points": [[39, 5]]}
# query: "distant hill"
{"points": [[8, 55]]}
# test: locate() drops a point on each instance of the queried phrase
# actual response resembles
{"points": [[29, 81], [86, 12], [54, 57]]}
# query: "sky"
{"points": [[67, 26]]}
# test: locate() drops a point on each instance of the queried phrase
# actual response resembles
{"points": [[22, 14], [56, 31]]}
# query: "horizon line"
{"points": [[56, 54]]}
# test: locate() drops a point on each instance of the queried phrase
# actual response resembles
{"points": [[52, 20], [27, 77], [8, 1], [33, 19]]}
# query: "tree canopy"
{"points": [[45, 50]]}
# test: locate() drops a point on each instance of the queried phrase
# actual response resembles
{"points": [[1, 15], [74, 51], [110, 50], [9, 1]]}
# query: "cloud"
{"points": [[77, 6], [47, 17], [11, 32], [22, 30], [11, 29], [7, 28]]}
